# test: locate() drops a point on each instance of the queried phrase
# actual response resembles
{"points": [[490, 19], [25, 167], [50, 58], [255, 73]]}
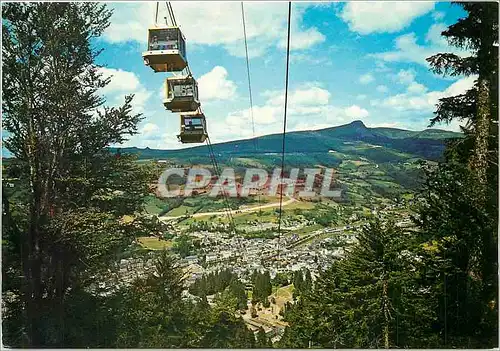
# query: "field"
{"points": [[153, 243]]}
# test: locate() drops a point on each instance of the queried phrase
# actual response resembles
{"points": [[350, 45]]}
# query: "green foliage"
{"points": [[281, 279], [262, 287], [216, 282], [298, 281], [226, 330], [183, 245], [458, 207], [364, 298], [323, 215], [238, 290], [263, 342], [67, 228], [460, 255]]}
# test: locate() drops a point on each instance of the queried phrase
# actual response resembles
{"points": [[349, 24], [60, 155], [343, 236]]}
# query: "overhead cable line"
{"points": [[248, 74], [156, 13], [250, 98], [218, 173], [171, 13], [228, 208], [284, 125]]}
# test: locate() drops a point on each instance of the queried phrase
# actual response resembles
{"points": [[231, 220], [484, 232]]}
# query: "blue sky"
{"points": [[349, 61]]}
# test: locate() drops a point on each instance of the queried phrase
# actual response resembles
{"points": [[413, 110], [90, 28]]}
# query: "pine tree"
{"points": [[307, 280], [151, 313], [297, 283], [478, 33], [459, 204], [225, 329], [262, 341], [268, 288], [238, 290], [368, 299], [68, 227]]}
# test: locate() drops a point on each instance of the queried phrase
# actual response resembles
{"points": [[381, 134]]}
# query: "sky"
{"points": [[348, 61]]}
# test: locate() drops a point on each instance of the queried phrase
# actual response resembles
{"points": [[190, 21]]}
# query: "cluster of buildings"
{"points": [[277, 255]]}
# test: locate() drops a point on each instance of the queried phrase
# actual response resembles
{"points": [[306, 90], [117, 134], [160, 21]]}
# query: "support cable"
{"points": [[156, 13], [171, 12], [248, 74], [250, 98], [217, 171], [169, 15], [284, 126], [227, 208]]}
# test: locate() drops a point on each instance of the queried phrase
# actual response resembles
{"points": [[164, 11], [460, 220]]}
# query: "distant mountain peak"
{"points": [[357, 124]]}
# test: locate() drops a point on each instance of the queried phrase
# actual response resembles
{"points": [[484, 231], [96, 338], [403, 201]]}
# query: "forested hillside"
{"points": [[353, 138]]}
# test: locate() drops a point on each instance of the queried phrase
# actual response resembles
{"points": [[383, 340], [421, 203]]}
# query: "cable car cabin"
{"points": [[166, 49], [181, 94], [193, 128]]}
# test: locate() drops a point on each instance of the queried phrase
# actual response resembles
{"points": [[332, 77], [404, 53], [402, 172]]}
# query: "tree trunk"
{"points": [[479, 160], [386, 314], [33, 297]]}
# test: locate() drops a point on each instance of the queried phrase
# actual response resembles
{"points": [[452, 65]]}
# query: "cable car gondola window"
{"points": [[181, 94], [193, 128], [193, 123], [164, 39], [166, 50], [183, 90]]}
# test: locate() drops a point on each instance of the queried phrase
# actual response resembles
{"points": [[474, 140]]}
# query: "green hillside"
{"points": [[326, 147]]}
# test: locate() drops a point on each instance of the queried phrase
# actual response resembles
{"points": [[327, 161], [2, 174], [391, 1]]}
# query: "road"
{"points": [[224, 213]]}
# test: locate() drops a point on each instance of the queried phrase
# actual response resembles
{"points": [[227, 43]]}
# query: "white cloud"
{"points": [[366, 78], [302, 126], [383, 125], [460, 86], [382, 89], [405, 76], [355, 111], [408, 50], [300, 36], [438, 15], [416, 88], [417, 99], [217, 23], [214, 85], [312, 96], [380, 16], [150, 128], [434, 36], [309, 108], [309, 95], [303, 39], [361, 97], [305, 58], [263, 115], [121, 81], [381, 67], [124, 83]]}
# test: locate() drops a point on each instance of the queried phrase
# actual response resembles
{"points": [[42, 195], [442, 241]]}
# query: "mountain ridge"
{"points": [[427, 144]]}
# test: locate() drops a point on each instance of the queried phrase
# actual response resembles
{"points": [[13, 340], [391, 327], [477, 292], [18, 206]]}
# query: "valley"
{"points": [[377, 176]]}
